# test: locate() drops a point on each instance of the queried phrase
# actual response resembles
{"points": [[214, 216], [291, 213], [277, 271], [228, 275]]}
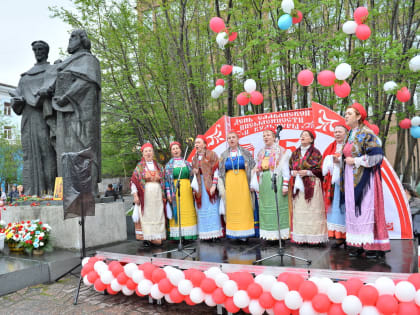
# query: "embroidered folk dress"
{"points": [[188, 215], [363, 195]]}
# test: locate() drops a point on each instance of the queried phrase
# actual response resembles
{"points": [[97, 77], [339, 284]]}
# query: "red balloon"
{"points": [[130, 284], [243, 279], [217, 24], [353, 286], [99, 285], [233, 36], [218, 296], [176, 296], [321, 303], [122, 278], [208, 285], [342, 90], [403, 95], [197, 277], [336, 309], [112, 292], [326, 78], [280, 308], [415, 277], [266, 300], [157, 275], [93, 260], [116, 269], [387, 304], [375, 129], [226, 69], [89, 267], [220, 82], [243, 98], [360, 15], [305, 77], [308, 290], [405, 308], [92, 276], [368, 295], [189, 272], [294, 281], [188, 300], [296, 20], [256, 98], [246, 310], [148, 269], [363, 31], [283, 276], [254, 290], [165, 286], [230, 306], [138, 293]]}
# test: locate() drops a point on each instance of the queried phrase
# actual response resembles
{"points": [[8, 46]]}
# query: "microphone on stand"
{"points": [[278, 129]]}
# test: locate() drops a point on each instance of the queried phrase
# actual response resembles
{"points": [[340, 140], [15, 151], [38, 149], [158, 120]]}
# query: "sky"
{"points": [[21, 23]]}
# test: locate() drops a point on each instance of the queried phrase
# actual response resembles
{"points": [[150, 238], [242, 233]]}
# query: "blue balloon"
{"points": [[285, 21], [415, 132]]}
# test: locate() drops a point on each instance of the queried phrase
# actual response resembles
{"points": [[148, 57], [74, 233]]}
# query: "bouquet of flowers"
{"points": [[2, 234], [30, 235]]}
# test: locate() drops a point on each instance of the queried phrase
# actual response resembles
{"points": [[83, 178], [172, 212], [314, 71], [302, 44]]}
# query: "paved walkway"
{"points": [[57, 298]]}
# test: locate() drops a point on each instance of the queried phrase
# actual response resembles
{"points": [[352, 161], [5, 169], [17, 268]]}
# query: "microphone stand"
{"points": [[280, 251], [181, 247]]}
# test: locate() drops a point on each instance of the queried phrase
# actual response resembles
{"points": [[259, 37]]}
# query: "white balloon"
{"points": [[238, 71], [168, 299], [279, 290], [127, 291], [342, 71], [405, 291], [212, 272], [390, 85], [255, 308], [175, 276], [241, 299], [259, 279], [270, 311], [293, 300], [221, 278], [219, 89], [222, 39], [145, 286], [209, 300], [115, 286], [99, 266], [351, 305], [85, 261], [129, 269], [214, 94], [414, 63], [185, 286], [385, 285], [230, 288], [86, 281], [197, 295], [324, 284], [107, 277], [350, 27], [337, 292], [267, 282], [307, 309], [415, 121], [369, 310], [137, 276], [314, 280], [155, 292], [417, 298], [287, 6], [250, 85]]}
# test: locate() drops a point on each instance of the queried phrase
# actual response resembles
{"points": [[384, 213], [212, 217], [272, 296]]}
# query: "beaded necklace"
{"points": [[235, 171]]}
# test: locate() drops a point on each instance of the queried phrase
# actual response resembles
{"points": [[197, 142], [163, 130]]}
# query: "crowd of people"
{"points": [[335, 195]]}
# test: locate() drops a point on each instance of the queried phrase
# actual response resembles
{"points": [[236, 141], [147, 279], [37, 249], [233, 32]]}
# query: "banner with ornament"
{"points": [[321, 119]]}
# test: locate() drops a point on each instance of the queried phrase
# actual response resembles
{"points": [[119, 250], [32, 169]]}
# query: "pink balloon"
{"points": [[326, 78], [226, 69], [217, 24], [342, 90], [363, 31], [405, 123], [256, 98], [305, 77], [403, 95], [296, 20], [360, 15], [233, 36], [220, 82], [243, 98]]}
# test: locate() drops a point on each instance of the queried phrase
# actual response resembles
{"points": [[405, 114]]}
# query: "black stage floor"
{"points": [[401, 259]]}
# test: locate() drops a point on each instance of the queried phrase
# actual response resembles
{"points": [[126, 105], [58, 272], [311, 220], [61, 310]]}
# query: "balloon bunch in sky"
{"points": [[357, 26], [291, 15]]}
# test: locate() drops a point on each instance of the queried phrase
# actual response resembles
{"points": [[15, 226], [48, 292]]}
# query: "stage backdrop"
{"points": [[250, 129]]}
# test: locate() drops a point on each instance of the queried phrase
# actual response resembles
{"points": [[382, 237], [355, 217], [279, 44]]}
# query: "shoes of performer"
{"points": [[216, 240], [338, 244], [375, 254], [147, 244], [356, 252]]}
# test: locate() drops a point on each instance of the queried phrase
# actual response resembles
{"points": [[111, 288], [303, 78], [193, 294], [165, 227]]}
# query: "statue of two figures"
{"points": [[60, 108]]}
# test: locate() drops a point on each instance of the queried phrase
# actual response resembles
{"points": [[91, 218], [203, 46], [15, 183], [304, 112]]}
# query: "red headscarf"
{"points": [[174, 143], [360, 109], [146, 145], [202, 138], [311, 131]]}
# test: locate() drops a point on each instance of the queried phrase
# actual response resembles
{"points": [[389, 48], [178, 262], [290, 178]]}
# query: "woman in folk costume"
{"points": [[309, 220], [273, 159], [331, 166], [176, 168], [205, 165], [147, 187], [363, 195], [235, 166]]}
